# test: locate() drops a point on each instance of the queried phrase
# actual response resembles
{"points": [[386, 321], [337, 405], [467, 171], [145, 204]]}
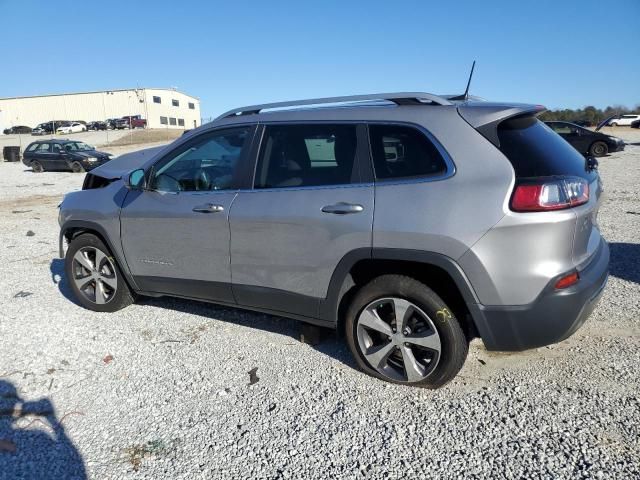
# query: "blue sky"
{"points": [[557, 53]]}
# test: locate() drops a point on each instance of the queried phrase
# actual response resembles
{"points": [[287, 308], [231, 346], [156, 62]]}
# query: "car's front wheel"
{"points": [[96, 280], [399, 330], [76, 167], [613, 124], [598, 149]]}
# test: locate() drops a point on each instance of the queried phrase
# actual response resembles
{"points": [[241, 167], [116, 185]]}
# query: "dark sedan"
{"points": [[16, 130], [587, 142], [63, 155]]}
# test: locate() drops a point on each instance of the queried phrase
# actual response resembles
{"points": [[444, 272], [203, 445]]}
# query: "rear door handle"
{"points": [[342, 208], [208, 208]]}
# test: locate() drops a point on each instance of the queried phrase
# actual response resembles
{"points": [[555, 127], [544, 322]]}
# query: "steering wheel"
{"points": [[202, 180]]}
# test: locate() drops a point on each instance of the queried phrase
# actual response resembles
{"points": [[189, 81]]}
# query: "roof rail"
{"points": [[399, 98]]}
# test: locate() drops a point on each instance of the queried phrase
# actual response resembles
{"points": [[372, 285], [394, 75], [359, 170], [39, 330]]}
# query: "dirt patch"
{"points": [[32, 201], [150, 135]]}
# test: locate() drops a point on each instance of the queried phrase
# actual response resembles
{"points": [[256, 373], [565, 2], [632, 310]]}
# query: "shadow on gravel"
{"points": [[33, 443], [328, 341], [57, 277], [625, 261]]}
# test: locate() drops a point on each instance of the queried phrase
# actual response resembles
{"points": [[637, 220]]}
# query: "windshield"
{"points": [[77, 146]]}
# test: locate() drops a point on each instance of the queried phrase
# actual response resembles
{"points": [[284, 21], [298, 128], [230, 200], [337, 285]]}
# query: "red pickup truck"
{"points": [[131, 121]]}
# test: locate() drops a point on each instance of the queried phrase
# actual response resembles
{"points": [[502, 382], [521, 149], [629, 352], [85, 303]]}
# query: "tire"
{"points": [[613, 124], [76, 167], [598, 149], [429, 324], [114, 293], [37, 167]]}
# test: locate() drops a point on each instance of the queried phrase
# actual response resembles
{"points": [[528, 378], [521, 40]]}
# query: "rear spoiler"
{"points": [[485, 117]]}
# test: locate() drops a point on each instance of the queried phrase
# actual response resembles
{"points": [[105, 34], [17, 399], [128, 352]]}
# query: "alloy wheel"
{"points": [[398, 339], [94, 275]]}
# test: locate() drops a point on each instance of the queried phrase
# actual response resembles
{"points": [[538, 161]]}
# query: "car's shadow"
{"points": [[625, 261], [323, 340]]}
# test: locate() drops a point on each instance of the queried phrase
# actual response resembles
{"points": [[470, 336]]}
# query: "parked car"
{"points": [[635, 124], [49, 127], [623, 120], [55, 154], [18, 129], [111, 123], [132, 121], [480, 222], [97, 125], [584, 123], [587, 142], [73, 127]]}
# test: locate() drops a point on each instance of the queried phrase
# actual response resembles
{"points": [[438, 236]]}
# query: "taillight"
{"points": [[540, 195]]}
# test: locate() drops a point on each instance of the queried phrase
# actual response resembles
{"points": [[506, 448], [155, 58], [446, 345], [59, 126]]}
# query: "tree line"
{"points": [[589, 114]]}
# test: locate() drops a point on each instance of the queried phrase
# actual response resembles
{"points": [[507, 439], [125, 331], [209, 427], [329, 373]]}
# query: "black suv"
{"points": [[63, 155]]}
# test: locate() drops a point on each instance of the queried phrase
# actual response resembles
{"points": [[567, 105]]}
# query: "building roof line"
{"points": [[100, 91]]}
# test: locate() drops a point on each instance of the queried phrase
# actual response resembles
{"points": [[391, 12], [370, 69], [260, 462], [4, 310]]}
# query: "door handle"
{"points": [[208, 208], [342, 208]]}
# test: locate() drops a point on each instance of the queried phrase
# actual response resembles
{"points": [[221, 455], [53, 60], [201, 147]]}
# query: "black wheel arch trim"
{"points": [[89, 227], [329, 306]]}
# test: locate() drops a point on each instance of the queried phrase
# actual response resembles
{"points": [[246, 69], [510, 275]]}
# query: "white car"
{"points": [[623, 120], [75, 127]]}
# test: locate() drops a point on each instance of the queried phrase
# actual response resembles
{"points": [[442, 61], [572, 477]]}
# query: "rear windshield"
{"points": [[535, 150]]}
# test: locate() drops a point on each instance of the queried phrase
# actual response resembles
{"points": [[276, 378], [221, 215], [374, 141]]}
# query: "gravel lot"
{"points": [[162, 389]]}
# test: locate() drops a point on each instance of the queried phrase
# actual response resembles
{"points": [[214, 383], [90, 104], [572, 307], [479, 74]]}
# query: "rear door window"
{"points": [[306, 155], [404, 152], [535, 150]]}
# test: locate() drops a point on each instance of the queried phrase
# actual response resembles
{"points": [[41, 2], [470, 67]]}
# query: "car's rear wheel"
{"points": [[76, 167], [96, 280], [613, 124], [37, 167], [598, 149], [400, 331]]}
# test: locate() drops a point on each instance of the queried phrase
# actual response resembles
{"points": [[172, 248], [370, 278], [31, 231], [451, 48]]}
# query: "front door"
{"points": [[311, 205], [175, 234]]}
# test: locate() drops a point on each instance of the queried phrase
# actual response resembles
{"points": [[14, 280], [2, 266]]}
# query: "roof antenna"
{"points": [[465, 96]]}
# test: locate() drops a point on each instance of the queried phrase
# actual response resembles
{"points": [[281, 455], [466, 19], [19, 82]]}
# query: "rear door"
{"points": [[311, 204], [175, 235], [45, 155]]}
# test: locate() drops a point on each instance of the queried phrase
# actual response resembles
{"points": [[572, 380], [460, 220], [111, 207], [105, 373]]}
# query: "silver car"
{"points": [[409, 221]]}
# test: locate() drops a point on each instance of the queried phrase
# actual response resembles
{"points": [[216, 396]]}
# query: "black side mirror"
{"points": [[136, 180]]}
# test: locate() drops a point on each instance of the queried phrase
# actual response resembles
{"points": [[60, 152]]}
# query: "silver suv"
{"points": [[409, 221]]}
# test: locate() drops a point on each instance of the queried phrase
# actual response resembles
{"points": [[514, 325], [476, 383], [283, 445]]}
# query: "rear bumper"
{"points": [[552, 317]]}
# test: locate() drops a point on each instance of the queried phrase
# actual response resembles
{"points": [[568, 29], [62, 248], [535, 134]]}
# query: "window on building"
{"points": [[192, 105], [157, 99], [400, 152], [163, 120], [306, 155], [175, 103], [181, 122], [172, 121]]}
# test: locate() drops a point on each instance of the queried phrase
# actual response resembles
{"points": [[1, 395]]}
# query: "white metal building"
{"points": [[161, 107]]}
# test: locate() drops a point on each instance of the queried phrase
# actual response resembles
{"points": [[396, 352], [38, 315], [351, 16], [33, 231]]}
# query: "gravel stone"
{"points": [[174, 401]]}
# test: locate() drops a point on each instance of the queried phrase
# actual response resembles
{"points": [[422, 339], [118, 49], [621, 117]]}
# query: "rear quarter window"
{"points": [[403, 152], [535, 150]]}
